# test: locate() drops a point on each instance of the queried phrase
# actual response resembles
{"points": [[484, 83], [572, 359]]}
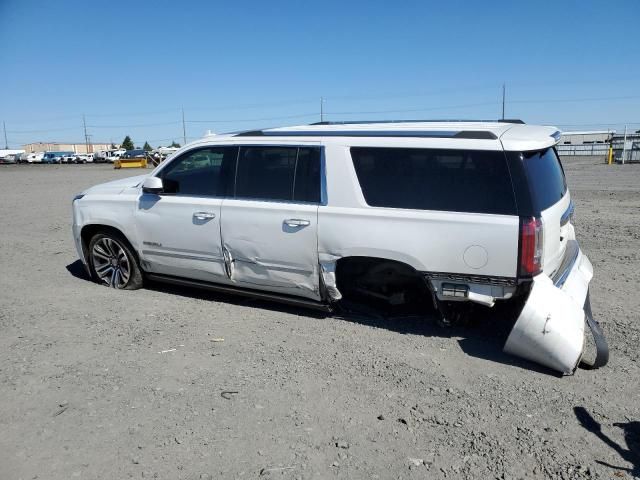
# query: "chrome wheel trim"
{"points": [[110, 263]]}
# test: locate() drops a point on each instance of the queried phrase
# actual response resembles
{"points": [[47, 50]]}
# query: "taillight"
{"points": [[531, 246]]}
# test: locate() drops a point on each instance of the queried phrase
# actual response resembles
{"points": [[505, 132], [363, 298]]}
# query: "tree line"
{"points": [[128, 144]]}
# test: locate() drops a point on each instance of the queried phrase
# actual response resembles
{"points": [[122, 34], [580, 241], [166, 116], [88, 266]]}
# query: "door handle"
{"points": [[204, 215], [296, 222]]}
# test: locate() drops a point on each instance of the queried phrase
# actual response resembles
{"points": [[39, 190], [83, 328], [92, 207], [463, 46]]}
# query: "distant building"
{"points": [[586, 138], [586, 143], [65, 147]]}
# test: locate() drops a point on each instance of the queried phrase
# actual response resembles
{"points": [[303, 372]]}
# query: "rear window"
{"points": [[545, 177], [435, 179]]}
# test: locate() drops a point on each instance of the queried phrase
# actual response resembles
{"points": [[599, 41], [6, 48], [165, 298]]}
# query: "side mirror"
{"points": [[152, 185]]}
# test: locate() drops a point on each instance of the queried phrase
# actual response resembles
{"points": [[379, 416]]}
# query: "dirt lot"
{"points": [[86, 393]]}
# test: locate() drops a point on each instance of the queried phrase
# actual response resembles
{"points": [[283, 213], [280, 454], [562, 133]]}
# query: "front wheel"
{"points": [[113, 263]]}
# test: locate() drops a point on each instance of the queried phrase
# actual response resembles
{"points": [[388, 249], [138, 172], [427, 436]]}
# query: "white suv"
{"points": [[463, 213]]}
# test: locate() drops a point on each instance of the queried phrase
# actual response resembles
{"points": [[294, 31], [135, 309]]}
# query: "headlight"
{"points": [[78, 197]]}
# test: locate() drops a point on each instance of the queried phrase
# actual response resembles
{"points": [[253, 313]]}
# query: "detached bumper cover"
{"points": [[550, 329]]}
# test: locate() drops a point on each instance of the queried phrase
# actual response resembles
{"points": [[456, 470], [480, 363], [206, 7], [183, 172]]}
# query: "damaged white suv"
{"points": [[463, 213]]}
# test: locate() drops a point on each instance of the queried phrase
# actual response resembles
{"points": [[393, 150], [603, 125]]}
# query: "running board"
{"points": [[289, 300]]}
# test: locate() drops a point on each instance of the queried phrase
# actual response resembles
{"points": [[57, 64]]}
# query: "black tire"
{"points": [[113, 263]]}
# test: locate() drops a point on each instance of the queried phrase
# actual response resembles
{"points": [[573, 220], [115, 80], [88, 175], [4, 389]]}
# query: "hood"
{"points": [[117, 186]]}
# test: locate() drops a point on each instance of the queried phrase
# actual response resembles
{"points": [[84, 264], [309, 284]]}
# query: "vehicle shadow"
{"points": [[483, 338], [631, 431], [77, 270]]}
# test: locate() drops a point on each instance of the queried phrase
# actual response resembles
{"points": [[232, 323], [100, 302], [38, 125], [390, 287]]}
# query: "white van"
{"points": [[108, 156], [32, 157]]}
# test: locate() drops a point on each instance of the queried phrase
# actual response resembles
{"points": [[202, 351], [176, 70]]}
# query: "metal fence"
{"points": [[586, 149], [626, 152]]}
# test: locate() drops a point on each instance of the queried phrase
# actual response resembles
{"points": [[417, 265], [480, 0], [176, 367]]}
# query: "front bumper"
{"points": [[77, 241], [551, 327]]}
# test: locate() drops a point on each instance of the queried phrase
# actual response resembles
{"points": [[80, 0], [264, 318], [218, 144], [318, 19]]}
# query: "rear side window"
{"points": [[266, 173], [307, 182], [545, 177], [434, 179], [279, 173]]}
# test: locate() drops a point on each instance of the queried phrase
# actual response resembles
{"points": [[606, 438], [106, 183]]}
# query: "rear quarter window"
{"points": [[545, 177], [435, 179]]}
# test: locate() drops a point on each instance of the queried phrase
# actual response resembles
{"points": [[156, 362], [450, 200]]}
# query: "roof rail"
{"points": [[249, 133], [467, 134], [364, 122]]}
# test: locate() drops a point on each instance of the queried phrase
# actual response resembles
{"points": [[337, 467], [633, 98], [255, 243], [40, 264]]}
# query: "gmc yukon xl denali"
{"points": [[464, 213]]}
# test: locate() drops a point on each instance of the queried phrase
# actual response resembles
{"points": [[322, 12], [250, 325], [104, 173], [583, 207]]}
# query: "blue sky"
{"points": [[131, 66]]}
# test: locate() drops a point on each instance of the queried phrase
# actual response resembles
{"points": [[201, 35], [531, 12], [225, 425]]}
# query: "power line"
{"points": [[136, 125], [302, 115], [443, 107], [248, 106], [290, 102], [43, 130], [410, 94], [592, 99]]}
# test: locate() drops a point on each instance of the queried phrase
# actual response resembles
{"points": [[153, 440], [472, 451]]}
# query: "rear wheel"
{"points": [[113, 263]]}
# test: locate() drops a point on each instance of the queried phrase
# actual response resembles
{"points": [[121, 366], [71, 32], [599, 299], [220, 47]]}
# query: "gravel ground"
{"points": [[86, 392]]}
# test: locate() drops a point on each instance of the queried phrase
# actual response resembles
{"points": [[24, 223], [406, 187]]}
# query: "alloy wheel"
{"points": [[111, 263]]}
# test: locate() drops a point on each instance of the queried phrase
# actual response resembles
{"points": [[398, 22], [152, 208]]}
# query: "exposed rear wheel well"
{"points": [[380, 279]]}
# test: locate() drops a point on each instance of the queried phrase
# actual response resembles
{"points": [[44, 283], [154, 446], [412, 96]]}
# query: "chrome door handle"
{"points": [[296, 222], [204, 215]]}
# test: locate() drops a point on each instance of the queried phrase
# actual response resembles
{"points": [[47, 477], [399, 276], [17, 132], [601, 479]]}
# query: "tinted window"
{"points": [[204, 172], [433, 179], [545, 177], [279, 173], [307, 181]]}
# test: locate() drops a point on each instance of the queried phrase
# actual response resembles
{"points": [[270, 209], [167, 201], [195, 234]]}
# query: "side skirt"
{"points": [[286, 299]]}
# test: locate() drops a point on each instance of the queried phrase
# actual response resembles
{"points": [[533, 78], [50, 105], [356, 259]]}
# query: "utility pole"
{"points": [[503, 97], [322, 109], [184, 130], [6, 143], [624, 144], [86, 137]]}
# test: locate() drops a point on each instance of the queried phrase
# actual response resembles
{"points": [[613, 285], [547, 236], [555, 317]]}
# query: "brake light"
{"points": [[531, 246]]}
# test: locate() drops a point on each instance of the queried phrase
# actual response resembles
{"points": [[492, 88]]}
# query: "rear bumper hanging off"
{"points": [[602, 348], [551, 327]]}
